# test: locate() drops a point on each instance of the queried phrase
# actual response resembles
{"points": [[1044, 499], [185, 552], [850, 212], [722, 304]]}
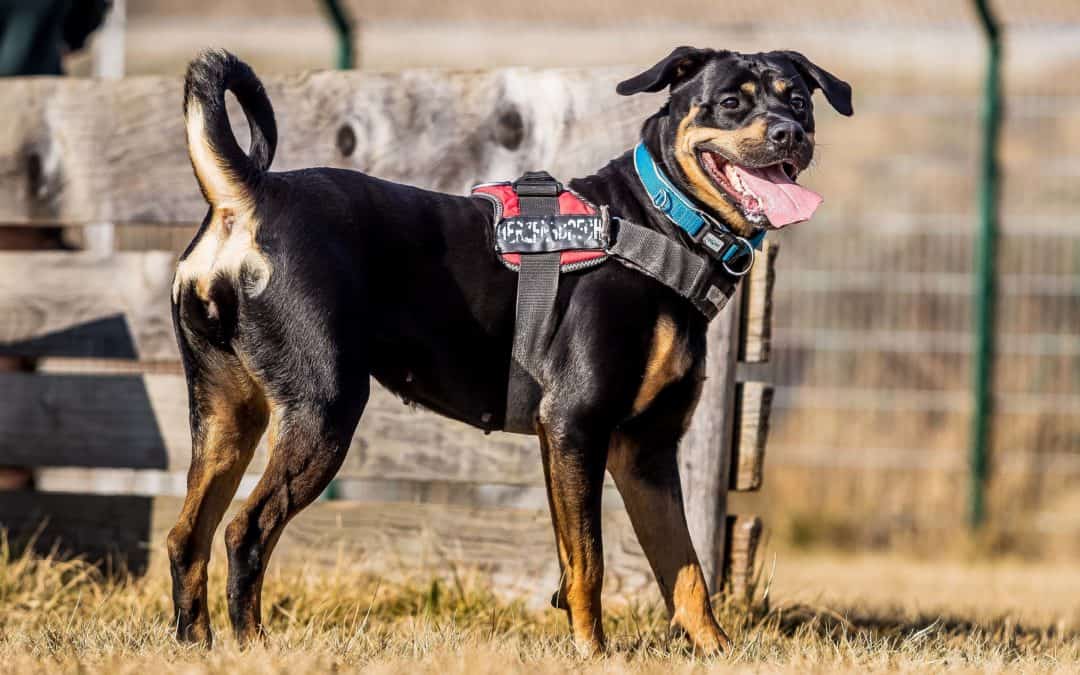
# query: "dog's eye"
{"points": [[798, 103], [731, 102]]}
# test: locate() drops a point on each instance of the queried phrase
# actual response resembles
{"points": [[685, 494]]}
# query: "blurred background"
{"points": [[874, 327]]}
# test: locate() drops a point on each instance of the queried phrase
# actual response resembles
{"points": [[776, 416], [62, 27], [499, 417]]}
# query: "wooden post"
{"points": [[109, 48], [705, 454], [744, 533], [753, 403], [725, 445]]}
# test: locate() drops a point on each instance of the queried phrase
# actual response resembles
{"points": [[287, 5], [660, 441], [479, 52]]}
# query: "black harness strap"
{"points": [[670, 263], [538, 284]]}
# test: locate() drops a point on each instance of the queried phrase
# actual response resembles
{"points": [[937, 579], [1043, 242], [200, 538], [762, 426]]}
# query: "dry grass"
{"points": [[62, 616]]}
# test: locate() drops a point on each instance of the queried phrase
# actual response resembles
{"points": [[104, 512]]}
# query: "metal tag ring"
{"points": [[752, 254]]}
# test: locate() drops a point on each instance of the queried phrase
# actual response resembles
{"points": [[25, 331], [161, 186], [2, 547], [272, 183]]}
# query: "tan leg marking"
{"points": [[656, 512], [559, 598], [668, 361], [232, 415], [581, 556]]}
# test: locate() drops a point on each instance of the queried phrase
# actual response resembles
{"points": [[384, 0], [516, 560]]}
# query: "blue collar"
{"points": [[670, 201]]}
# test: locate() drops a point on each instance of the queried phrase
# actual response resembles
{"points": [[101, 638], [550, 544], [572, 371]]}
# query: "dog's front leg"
{"points": [[646, 473], [575, 453]]}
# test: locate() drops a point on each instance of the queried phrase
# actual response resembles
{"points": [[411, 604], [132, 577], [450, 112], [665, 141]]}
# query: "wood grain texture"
{"points": [[85, 151], [162, 483], [744, 534], [514, 548], [705, 453], [78, 420], [141, 421], [753, 408], [110, 529], [758, 306], [87, 305]]}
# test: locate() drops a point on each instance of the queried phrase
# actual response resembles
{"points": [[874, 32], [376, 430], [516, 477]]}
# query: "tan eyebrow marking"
{"points": [[749, 87]]}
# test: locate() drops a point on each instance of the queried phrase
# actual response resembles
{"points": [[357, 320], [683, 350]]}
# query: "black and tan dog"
{"points": [[300, 286]]}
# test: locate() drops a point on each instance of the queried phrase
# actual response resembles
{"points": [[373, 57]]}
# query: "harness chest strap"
{"points": [[672, 264], [538, 285]]}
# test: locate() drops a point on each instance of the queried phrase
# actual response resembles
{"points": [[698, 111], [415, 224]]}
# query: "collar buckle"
{"points": [[730, 250]]}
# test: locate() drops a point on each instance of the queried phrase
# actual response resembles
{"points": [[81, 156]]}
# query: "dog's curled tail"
{"points": [[226, 174]]}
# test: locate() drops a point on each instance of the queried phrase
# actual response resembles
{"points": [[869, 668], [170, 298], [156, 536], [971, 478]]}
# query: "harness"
{"points": [[543, 229]]}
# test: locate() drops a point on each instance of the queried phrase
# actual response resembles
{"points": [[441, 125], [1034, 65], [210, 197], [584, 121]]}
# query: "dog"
{"points": [[291, 296]]}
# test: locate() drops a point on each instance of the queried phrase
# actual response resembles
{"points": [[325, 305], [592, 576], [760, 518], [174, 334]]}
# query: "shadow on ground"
{"points": [[897, 626]]}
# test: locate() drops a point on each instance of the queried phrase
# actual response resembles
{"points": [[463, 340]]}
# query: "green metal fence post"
{"points": [[346, 58], [985, 253]]}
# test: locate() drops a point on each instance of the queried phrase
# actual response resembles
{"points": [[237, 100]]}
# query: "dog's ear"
{"points": [[680, 64], [837, 92]]}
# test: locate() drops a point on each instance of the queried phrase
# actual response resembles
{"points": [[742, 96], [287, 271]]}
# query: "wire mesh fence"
{"points": [[874, 301]]}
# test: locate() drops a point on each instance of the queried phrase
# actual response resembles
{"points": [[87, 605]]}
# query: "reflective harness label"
{"points": [[535, 234]]}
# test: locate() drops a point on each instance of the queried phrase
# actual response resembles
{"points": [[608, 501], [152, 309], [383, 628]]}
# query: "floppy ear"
{"points": [[676, 66], [837, 92]]}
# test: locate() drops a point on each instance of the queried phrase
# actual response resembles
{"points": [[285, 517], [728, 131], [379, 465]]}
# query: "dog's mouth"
{"points": [[764, 195]]}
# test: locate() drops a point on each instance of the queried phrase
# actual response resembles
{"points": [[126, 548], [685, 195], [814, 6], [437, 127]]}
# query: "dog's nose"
{"points": [[786, 135]]}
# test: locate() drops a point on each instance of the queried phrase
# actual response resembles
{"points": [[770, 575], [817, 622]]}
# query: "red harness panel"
{"points": [[570, 204]]}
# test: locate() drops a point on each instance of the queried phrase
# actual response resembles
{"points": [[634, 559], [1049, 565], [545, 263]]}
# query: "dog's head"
{"points": [[738, 129]]}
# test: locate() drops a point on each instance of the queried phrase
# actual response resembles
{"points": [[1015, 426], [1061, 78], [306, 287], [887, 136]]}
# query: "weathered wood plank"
{"points": [[133, 421], [113, 529], [757, 306], [83, 151], [514, 546], [744, 534], [161, 483], [753, 408], [87, 305], [78, 420], [705, 453]]}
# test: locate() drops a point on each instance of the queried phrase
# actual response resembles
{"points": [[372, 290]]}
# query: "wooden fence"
{"points": [[98, 413]]}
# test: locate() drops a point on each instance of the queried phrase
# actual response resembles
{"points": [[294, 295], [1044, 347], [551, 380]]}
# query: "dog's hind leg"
{"points": [[643, 461], [228, 416], [575, 451], [309, 443]]}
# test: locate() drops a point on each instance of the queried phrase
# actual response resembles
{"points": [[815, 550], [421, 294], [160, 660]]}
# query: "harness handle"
{"points": [[537, 184]]}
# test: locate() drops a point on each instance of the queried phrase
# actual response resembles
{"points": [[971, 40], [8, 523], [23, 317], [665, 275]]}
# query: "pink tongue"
{"points": [[783, 200]]}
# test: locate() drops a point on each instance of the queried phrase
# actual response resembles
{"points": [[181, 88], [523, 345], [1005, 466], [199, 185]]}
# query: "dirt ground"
{"points": [[820, 612]]}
